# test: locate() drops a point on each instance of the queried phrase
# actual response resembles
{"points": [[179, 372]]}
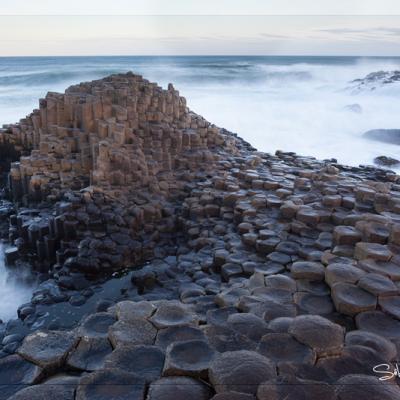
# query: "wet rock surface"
{"points": [[192, 266], [375, 80]]}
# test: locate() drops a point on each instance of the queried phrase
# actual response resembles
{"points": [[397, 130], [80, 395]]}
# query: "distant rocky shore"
{"points": [[175, 261]]}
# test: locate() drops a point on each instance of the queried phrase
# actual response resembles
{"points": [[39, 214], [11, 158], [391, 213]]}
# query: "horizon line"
{"points": [[199, 15], [201, 55]]}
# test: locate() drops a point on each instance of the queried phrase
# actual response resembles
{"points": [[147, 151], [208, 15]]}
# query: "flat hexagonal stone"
{"points": [[353, 360], [375, 251], [230, 297], [390, 305], [96, 325], [357, 386], [346, 235], [240, 371], [144, 361], [280, 324], [350, 299], [46, 391], [220, 315], [322, 335], [314, 287], [190, 358], [178, 388], [173, 314], [279, 258], [233, 396], [388, 269], [224, 339], [248, 324], [308, 215], [128, 310], [282, 347], [288, 247], [269, 268], [314, 304], [90, 354], [308, 270], [280, 282], [15, 374], [229, 270], [346, 273], [47, 349], [385, 348], [281, 389], [178, 334], [377, 284], [134, 332], [379, 323], [265, 293], [269, 309], [111, 384]]}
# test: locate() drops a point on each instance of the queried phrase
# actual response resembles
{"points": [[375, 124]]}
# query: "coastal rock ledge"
{"points": [[250, 275]]}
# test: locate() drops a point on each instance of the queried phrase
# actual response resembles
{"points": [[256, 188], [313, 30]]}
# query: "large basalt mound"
{"points": [[132, 146], [118, 132]]}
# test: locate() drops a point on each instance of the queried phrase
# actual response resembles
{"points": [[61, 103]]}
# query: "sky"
{"points": [[218, 27]]}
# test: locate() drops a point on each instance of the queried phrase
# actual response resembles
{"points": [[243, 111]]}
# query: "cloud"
{"points": [[377, 33], [274, 36]]}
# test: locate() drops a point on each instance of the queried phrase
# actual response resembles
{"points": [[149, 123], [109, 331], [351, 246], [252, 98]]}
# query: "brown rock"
{"points": [[350, 299]]}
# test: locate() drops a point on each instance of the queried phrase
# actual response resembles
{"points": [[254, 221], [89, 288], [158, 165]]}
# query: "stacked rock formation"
{"points": [[134, 143], [121, 131], [270, 277]]}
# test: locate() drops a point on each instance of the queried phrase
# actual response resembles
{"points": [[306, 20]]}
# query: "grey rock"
{"points": [[323, 336], [15, 374], [167, 336], [282, 347], [178, 388], [173, 314], [190, 358], [90, 354], [96, 325], [111, 384], [47, 349], [55, 391], [138, 331], [144, 361], [240, 371], [384, 347], [355, 386]]}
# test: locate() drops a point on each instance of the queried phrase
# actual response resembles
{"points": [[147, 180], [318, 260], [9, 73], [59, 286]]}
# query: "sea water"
{"points": [[289, 103]]}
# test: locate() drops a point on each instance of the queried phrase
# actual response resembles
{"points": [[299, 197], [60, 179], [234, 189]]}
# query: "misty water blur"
{"points": [[16, 287], [288, 103]]}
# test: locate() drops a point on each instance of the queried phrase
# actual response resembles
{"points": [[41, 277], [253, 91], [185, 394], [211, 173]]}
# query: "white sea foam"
{"points": [[16, 288]]}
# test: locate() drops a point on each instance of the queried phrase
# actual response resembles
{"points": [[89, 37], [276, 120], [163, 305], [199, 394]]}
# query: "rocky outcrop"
{"points": [[268, 276], [375, 80], [117, 154], [391, 136]]}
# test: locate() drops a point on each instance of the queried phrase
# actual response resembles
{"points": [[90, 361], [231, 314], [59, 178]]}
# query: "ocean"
{"points": [[295, 104]]}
